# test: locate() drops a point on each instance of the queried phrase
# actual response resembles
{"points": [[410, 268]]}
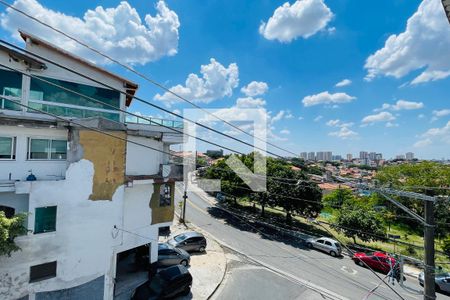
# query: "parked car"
{"points": [[189, 241], [325, 244], [441, 279], [377, 261], [167, 283], [169, 256]]}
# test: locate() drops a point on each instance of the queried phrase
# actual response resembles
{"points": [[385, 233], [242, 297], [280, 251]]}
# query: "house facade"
{"points": [[97, 187]]}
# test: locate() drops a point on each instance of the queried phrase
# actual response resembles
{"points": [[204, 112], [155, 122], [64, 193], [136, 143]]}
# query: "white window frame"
{"points": [[49, 153], [13, 148]]}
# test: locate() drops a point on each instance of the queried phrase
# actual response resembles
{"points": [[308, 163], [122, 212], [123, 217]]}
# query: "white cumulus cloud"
{"points": [[250, 102], [327, 98], [304, 18], [344, 133], [343, 82], [255, 88], [435, 135], [424, 44], [318, 118], [216, 82], [401, 105], [118, 31], [380, 117]]}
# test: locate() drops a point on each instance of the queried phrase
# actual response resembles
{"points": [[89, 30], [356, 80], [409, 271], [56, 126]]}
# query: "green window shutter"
{"points": [[45, 219]]}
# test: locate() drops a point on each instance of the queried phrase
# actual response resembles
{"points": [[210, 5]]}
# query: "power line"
{"points": [[114, 108], [91, 128], [129, 68]]}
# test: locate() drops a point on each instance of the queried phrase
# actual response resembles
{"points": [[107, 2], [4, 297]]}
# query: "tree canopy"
{"points": [[10, 228]]}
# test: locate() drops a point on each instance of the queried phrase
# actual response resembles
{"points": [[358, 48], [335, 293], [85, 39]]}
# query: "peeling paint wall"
{"points": [[108, 156], [85, 243], [162, 214]]}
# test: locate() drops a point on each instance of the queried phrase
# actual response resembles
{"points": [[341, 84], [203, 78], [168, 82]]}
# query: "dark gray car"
{"points": [[169, 256], [189, 241]]}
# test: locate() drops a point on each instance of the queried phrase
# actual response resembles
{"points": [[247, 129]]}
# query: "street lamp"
{"points": [[446, 4]]}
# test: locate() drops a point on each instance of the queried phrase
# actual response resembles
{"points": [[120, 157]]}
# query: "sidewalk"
{"points": [[207, 269]]}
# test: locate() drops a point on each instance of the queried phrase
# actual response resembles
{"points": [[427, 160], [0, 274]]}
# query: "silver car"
{"points": [[441, 279], [325, 244], [169, 256], [189, 241]]}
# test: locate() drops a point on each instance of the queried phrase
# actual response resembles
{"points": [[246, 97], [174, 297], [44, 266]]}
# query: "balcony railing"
{"points": [[154, 121]]}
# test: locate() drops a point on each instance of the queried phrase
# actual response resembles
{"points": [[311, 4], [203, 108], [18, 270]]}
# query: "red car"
{"points": [[377, 261]]}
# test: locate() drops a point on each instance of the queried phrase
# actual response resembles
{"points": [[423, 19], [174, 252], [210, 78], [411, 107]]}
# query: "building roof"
{"points": [[28, 60], [130, 86]]}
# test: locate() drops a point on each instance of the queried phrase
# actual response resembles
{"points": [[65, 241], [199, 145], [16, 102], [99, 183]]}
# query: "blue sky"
{"points": [[301, 52]]}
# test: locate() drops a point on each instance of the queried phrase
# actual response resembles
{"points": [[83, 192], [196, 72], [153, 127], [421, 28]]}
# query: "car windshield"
{"points": [[180, 238]]}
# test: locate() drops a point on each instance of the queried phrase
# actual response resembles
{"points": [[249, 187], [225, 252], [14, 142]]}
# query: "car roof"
{"points": [[162, 246], [190, 234], [328, 239], [173, 272]]}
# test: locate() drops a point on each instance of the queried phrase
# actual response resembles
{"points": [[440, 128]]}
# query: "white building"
{"points": [[99, 199], [304, 155], [349, 157], [311, 156], [409, 156]]}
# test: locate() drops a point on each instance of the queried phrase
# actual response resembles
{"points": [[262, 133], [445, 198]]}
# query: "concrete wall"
{"points": [[82, 243], [42, 169], [108, 156], [141, 160], [92, 290], [162, 214]]}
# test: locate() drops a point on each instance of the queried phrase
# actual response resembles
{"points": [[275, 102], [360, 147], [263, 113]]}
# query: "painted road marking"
{"points": [[349, 270]]}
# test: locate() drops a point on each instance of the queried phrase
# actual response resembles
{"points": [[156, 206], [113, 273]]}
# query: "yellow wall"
{"points": [[165, 213], [108, 156]]}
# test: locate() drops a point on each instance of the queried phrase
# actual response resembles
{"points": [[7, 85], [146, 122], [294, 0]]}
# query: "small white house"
{"points": [[95, 199]]}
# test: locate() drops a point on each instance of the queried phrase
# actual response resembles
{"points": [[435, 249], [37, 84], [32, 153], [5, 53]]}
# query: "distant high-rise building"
{"points": [[336, 157], [328, 156], [379, 156], [363, 155], [409, 156], [304, 155], [372, 155], [311, 156], [349, 157], [320, 156]]}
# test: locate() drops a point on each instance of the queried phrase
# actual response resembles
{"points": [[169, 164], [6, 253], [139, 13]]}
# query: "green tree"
{"points": [[10, 228], [425, 178], [359, 221], [446, 247], [303, 198], [338, 197]]}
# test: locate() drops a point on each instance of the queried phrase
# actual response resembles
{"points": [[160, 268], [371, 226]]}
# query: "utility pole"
{"points": [[428, 223], [429, 284], [183, 218]]}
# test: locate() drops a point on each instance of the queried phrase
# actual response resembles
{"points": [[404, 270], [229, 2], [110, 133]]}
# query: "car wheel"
{"points": [[201, 249], [332, 253], [309, 245], [184, 263], [360, 263], [437, 288]]}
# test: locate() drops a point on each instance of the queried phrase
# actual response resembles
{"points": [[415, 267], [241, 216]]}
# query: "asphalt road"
{"points": [[337, 277]]}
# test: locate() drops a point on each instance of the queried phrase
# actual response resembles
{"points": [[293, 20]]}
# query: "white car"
{"points": [[442, 281], [325, 244]]}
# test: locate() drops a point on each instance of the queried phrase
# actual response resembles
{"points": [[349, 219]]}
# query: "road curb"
{"points": [[193, 226]]}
